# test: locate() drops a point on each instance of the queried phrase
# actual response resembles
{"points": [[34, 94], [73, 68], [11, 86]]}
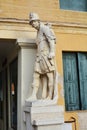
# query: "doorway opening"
{"points": [[8, 84]]}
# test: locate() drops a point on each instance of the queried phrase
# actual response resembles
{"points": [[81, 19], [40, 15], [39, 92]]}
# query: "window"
{"points": [[79, 5], [75, 80]]}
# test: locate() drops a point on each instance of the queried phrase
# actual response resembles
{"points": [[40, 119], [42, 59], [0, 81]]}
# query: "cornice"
{"points": [[53, 23], [25, 43]]}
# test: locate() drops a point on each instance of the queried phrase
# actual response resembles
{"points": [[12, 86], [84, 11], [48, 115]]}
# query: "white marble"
{"points": [[41, 102], [47, 109], [67, 126], [43, 116], [49, 127], [45, 72], [43, 112]]}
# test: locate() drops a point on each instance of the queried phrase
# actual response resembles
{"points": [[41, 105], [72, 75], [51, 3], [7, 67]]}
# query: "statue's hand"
{"points": [[51, 55]]}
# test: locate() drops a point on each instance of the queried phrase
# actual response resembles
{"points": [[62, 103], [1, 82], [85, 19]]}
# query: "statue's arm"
{"points": [[51, 49], [50, 36]]}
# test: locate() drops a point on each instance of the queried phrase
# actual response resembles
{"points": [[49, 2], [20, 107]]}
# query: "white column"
{"points": [[26, 58]]}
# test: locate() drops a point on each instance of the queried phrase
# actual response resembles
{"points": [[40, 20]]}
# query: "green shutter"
{"points": [[79, 5], [70, 81], [82, 63]]}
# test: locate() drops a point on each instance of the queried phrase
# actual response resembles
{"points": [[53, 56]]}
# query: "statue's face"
{"points": [[35, 24]]}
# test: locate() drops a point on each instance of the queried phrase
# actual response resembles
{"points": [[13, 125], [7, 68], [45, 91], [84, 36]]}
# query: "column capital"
{"points": [[26, 43]]}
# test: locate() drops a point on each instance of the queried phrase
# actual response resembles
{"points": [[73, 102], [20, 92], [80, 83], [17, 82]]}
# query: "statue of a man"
{"points": [[44, 69]]}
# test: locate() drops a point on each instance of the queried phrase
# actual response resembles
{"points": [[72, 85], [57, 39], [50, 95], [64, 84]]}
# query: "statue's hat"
{"points": [[33, 17]]}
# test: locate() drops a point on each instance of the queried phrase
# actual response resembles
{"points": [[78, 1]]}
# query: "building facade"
{"points": [[17, 56]]}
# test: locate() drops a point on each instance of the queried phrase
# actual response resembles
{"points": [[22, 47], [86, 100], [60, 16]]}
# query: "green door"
{"points": [[70, 81], [82, 65]]}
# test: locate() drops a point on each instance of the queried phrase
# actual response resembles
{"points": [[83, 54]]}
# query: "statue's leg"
{"points": [[44, 85], [35, 86], [50, 84]]}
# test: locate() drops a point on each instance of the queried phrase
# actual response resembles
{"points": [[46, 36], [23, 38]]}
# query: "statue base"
{"points": [[43, 117], [40, 103]]}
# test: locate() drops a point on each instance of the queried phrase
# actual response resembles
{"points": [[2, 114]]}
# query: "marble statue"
{"points": [[44, 68]]}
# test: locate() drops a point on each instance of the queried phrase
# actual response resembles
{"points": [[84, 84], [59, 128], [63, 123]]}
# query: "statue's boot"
{"points": [[35, 86], [33, 97]]}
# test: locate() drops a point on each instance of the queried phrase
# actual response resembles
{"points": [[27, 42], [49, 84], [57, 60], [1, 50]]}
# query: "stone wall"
{"points": [[82, 119]]}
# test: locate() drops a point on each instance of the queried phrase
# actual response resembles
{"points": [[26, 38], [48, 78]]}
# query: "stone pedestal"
{"points": [[44, 117]]}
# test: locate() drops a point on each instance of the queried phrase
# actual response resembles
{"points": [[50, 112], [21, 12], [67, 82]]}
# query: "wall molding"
{"points": [[62, 24]]}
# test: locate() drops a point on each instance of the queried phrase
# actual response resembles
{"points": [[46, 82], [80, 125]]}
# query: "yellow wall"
{"points": [[69, 42], [48, 10], [70, 28]]}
